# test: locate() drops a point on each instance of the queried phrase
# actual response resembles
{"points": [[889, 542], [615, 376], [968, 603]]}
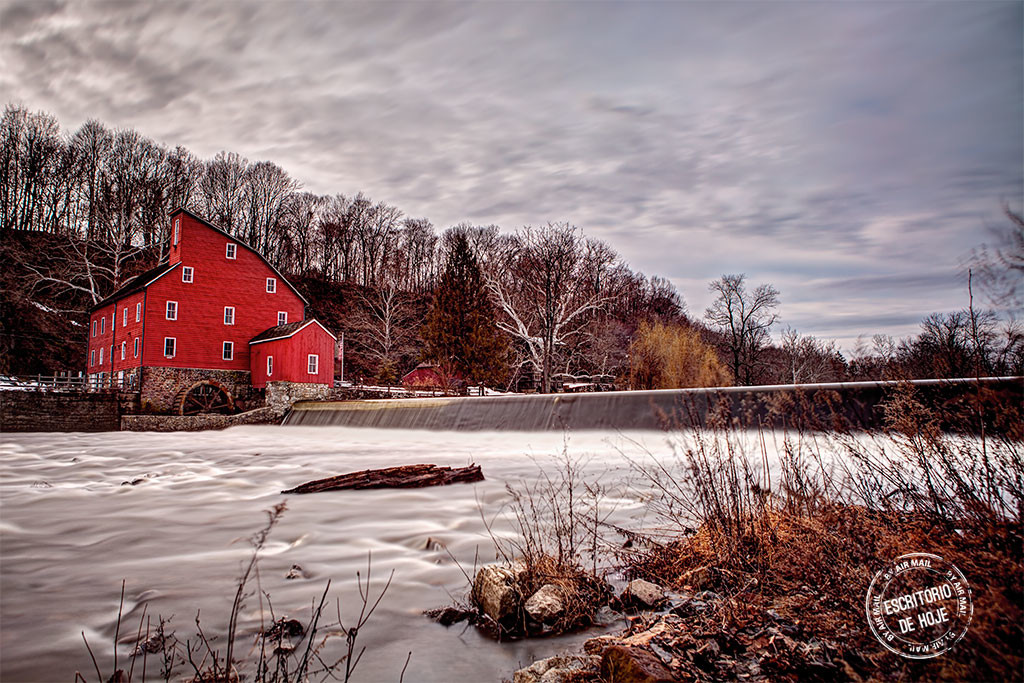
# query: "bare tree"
{"points": [[383, 327], [744, 318], [221, 190], [1000, 267], [808, 359], [541, 290], [267, 190]]}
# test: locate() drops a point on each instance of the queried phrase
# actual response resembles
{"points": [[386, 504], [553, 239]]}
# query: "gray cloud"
{"points": [[825, 147]]}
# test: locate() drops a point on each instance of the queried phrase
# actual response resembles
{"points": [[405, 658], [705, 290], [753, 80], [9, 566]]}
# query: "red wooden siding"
{"points": [[291, 356], [217, 282]]}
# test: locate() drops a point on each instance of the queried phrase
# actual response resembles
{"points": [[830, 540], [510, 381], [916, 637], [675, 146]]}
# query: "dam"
{"points": [[853, 405]]}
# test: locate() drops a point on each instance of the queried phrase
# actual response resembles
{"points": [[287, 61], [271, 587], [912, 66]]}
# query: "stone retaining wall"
{"points": [[281, 395], [197, 423], [54, 411], [160, 386]]}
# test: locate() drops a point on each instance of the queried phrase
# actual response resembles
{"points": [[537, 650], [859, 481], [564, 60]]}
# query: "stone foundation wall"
{"points": [[160, 386], [196, 423], [281, 395], [52, 411]]}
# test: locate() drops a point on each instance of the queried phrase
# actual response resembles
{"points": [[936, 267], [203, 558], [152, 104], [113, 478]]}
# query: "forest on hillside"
{"points": [[83, 211]]}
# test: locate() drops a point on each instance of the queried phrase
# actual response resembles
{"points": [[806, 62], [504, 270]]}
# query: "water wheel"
{"points": [[205, 397]]}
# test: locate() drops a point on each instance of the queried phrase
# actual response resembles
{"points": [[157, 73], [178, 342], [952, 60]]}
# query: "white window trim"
{"points": [[189, 272], [282, 313], [138, 311], [136, 347], [124, 347], [92, 358], [94, 328], [230, 251], [232, 310], [271, 285], [313, 360], [124, 317], [103, 325], [167, 310], [270, 366], [177, 230], [101, 355], [229, 348], [174, 343]]}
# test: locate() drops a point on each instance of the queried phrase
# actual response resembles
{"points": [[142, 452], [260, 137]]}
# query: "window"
{"points": [[172, 310], [92, 357], [229, 351], [271, 285], [103, 326], [124, 317], [124, 346], [101, 355], [282, 317], [177, 230], [94, 328], [186, 274], [229, 315], [136, 347], [229, 251], [169, 347], [138, 311], [270, 366], [312, 363]]}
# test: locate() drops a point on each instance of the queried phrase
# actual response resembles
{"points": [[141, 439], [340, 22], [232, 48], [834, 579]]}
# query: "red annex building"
{"points": [[209, 325]]}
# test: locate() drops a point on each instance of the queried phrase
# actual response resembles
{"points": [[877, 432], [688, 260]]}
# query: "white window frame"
{"points": [[231, 251], [177, 230], [313, 364], [124, 347], [227, 351], [271, 285], [174, 346], [92, 358], [138, 311], [229, 315], [171, 314], [94, 328], [270, 366], [101, 355], [124, 317], [136, 347], [282, 317], [103, 325], [187, 274]]}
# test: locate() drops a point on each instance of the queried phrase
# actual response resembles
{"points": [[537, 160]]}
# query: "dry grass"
{"points": [[807, 545]]}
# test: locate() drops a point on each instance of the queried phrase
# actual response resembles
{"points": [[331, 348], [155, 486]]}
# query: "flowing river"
{"points": [[73, 525]]}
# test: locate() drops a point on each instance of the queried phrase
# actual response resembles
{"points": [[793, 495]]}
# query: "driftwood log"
{"points": [[404, 477]]}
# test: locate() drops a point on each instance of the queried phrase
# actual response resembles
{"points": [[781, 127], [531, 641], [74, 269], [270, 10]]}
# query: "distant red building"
{"points": [[182, 333], [433, 377]]}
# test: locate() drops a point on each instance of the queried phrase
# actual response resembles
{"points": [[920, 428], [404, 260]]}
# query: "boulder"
{"points": [[546, 604], [558, 669], [621, 664], [697, 578], [643, 594], [496, 590]]}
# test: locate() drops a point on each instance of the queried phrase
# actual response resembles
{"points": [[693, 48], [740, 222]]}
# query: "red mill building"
{"points": [[214, 322]]}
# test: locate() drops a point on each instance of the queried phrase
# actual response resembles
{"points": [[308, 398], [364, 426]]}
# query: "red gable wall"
{"points": [[291, 358]]}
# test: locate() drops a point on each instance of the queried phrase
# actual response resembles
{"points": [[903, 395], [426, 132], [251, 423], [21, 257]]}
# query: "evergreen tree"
{"points": [[460, 331]]}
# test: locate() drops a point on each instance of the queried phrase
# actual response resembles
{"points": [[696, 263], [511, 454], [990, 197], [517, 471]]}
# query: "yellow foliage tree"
{"points": [[673, 357]]}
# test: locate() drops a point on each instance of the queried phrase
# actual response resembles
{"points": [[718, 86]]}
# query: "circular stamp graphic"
{"points": [[919, 606]]}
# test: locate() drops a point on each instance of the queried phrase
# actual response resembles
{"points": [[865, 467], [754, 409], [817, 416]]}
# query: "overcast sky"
{"points": [[851, 154]]}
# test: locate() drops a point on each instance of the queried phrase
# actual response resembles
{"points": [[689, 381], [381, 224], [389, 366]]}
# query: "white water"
{"points": [[178, 538]]}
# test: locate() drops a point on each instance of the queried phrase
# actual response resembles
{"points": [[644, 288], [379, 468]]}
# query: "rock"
{"points": [[297, 572], [446, 616], [496, 590], [595, 646], [697, 578], [621, 664], [546, 604], [558, 669], [284, 628], [643, 594]]}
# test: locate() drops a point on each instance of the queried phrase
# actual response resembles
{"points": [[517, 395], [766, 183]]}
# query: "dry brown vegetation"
{"points": [[802, 550]]}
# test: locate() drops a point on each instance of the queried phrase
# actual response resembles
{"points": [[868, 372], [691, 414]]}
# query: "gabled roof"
{"points": [[287, 330], [136, 284], [234, 239]]}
